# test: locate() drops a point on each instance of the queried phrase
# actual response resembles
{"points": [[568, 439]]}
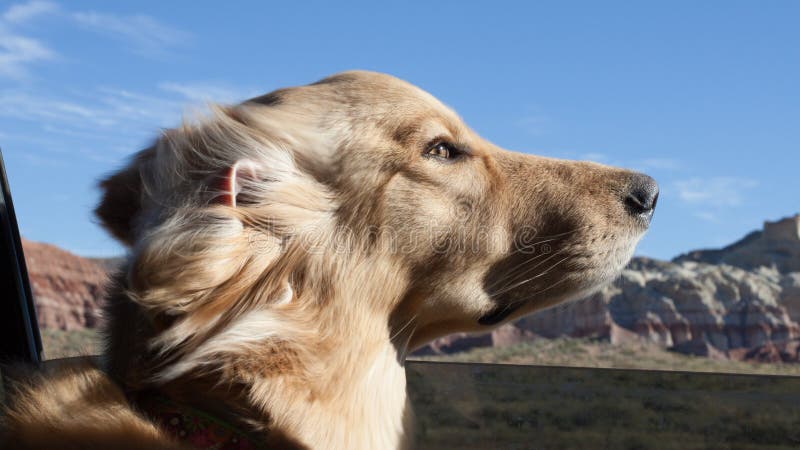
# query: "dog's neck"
{"points": [[356, 395], [343, 386], [357, 398]]}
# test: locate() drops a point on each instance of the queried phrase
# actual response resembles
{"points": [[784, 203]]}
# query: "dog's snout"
{"points": [[641, 196]]}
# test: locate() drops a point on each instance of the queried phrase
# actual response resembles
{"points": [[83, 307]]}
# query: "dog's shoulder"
{"points": [[73, 404]]}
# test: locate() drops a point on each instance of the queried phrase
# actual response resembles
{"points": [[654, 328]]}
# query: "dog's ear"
{"points": [[122, 200], [229, 185]]}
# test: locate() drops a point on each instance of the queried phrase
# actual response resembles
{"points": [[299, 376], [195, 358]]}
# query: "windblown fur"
{"points": [[287, 253]]}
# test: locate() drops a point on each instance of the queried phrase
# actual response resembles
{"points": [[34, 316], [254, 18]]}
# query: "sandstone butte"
{"points": [[739, 302]]}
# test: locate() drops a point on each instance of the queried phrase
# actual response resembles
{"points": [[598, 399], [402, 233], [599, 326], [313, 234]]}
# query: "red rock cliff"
{"points": [[66, 288]]}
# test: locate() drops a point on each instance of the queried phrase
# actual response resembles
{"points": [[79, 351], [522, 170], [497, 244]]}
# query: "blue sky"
{"points": [[703, 96]]}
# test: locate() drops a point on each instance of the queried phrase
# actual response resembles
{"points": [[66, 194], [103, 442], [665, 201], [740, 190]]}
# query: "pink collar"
{"points": [[196, 428]]}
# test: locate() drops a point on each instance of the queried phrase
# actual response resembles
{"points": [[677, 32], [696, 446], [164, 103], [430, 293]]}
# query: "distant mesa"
{"points": [[67, 289], [777, 244]]}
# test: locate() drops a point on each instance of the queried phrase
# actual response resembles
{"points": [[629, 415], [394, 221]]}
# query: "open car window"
{"points": [[19, 329]]}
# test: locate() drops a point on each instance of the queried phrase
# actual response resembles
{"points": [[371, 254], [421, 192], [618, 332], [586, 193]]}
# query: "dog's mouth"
{"points": [[509, 301], [566, 286], [575, 253], [517, 287]]}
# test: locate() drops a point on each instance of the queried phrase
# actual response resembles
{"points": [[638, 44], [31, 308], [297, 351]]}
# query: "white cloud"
{"points": [[714, 192], [18, 52], [21, 105], [121, 105], [148, 36], [42, 161], [107, 109], [23, 12], [116, 121], [199, 92], [707, 216]]}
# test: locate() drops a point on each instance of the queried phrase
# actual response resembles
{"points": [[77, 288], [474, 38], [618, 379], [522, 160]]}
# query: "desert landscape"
{"points": [[736, 309]]}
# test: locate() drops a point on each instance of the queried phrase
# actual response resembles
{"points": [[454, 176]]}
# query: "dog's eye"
{"points": [[443, 150]]}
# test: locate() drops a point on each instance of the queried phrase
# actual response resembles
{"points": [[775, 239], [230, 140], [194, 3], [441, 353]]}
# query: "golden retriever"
{"points": [[287, 253]]}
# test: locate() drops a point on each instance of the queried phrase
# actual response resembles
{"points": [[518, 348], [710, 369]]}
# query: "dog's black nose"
{"points": [[642, 196]]}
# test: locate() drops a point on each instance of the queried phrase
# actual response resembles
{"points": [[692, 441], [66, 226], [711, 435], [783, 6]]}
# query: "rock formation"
{"points": [[691, 307], [66, 288], [777, 245]]}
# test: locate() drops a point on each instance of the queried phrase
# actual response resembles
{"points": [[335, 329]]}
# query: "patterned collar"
{"points": [[196, 428]]}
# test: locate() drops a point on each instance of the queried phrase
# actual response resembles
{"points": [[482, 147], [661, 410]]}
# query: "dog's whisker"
{"points": [[533, 295], [516, 285], [565, 233], [511, 280], [409, 322], [509, 288], [522, 268], [514, 272]]}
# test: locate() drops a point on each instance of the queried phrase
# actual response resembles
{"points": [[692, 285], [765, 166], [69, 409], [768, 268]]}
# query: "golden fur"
{"points": [[287, 253]]}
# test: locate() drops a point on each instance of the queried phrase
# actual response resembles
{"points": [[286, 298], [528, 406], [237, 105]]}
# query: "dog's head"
{"points": [[363, 191]]}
